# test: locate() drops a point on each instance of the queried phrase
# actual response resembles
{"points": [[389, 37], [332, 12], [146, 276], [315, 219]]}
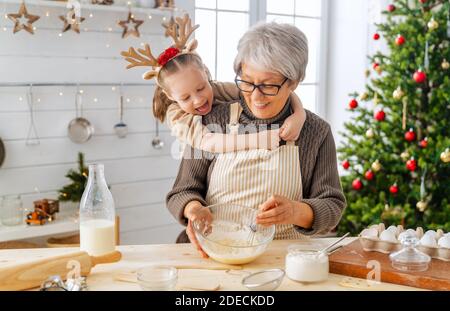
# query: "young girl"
{"points": [[185, 93]]}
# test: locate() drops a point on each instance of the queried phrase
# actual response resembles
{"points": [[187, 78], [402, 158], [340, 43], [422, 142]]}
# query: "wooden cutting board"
{"points": [[352, 260]]}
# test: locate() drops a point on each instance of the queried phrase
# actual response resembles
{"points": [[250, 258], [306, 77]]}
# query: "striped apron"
{"points": [[248, 178]]}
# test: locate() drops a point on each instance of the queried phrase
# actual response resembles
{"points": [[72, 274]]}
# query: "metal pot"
{"points": [[80, 130], [2, 152]]}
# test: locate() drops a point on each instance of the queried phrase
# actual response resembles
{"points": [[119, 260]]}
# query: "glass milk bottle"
{"points": [[97, 215]]}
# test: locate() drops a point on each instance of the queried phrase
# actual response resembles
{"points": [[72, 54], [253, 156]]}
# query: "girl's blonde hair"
{"points": [[160, 100]]}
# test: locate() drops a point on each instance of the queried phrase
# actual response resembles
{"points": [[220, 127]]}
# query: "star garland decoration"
{"points": [[130, 30], [23, 13], [71, 22]]}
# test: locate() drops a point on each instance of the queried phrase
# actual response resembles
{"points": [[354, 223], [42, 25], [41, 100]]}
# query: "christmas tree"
{"points": [[74, 191], [396, 146]]}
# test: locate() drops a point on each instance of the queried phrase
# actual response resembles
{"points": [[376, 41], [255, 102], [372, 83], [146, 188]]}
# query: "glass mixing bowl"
{"points": [[229, 238]]}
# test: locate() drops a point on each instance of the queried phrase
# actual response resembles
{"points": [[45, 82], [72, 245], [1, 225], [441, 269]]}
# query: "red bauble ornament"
{"points": [[369, 175], [411, 165], [391, 8], [380, 115], [400, 40], [410, 135], [423, 1], [375, 65], [357, 184], [353, 104], [419, 76], [345, 164], [423, 143], [376, 36], [393, 189]]}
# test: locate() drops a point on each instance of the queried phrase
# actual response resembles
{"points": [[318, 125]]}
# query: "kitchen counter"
{"points": [[136, 256]]}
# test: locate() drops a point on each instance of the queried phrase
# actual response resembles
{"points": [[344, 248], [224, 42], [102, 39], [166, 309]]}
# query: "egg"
{"points": [[428, 240], [431, 233], [419, 232], [407, 232], [392, 228], [444, 241], [369, 233], [388, 235]]}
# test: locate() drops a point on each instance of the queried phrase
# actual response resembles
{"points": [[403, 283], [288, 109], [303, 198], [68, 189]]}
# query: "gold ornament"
{"points": [[405, 156], [23, 13], [376, 166], [367, 73], [370, 133], [363, 96], [71, 21], [398, 93], [445, 64], [432, 24], [376, 100], [129, 29], [445, 156], [422, 205]]}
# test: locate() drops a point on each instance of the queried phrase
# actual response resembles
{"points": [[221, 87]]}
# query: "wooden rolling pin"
{"points": [[32, 274]]}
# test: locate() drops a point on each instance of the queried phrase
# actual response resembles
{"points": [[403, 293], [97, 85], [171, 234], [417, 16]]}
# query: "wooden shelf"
{"points": [[92, 7], [62, 224]]}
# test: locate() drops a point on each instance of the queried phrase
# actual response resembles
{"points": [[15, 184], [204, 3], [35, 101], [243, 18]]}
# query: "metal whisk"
{"points": [[251, 236]]}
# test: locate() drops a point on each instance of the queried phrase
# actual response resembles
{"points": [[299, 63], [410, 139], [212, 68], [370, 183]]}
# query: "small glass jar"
{"points": [[306, 265], [11, 211], [409, 258], [157, 278]]}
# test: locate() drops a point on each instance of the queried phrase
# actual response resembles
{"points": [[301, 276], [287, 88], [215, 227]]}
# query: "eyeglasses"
{"points": [[266, 89]]}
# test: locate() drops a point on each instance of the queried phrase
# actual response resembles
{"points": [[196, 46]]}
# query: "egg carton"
{"points": [[373, 239]]}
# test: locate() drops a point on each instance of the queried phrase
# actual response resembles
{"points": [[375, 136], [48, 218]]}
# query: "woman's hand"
{"points": [[281, 210], [193, 211]]}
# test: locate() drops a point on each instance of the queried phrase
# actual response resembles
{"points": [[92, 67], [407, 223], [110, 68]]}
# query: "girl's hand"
{"points": [[195, 211], [290, 131]]}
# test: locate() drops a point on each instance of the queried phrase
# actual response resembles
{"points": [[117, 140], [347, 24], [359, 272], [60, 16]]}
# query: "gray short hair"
{"points": [[281, 48]]}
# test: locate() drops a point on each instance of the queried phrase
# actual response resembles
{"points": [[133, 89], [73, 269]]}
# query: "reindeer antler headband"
{"points": [[179, 31]]}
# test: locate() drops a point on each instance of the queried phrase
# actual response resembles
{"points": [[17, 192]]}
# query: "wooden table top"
{"points": [[102, 277]]}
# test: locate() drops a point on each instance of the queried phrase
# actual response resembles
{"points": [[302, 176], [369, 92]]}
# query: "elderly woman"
{"points": [[296, 187]]}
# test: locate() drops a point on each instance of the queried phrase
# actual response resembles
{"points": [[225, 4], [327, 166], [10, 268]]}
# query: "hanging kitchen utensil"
{"points": [[157, 143], [80, 130], [2, 152], [121, 128], [32, 136]]}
